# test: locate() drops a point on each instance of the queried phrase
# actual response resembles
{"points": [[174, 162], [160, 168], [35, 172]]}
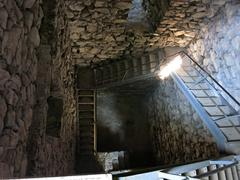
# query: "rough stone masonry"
{"points": [[19, 38]]}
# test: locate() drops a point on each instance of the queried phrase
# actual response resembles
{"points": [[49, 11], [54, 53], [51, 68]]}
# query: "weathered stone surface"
{"points": [[10, 119], [10, 42], [28, 19], [3, 110], [28, 3], [178, 133], [3, 18], [216, 48], [11, 97], [5, 170], [34, 37], [4, 76]]}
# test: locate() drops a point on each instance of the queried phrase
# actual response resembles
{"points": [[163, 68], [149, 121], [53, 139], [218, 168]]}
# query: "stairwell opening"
{"points": [[122, 126]]}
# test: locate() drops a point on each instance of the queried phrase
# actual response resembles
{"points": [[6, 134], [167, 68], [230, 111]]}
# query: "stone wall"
{"points": [[97, 29], [50, 156], [179, 23], [156, 10], [121, 126], [178, 134], [19, 38], [217, 48]]}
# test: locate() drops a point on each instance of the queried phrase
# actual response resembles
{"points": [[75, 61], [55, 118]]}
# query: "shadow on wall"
{"points": [[122, 125], [54, 115]]}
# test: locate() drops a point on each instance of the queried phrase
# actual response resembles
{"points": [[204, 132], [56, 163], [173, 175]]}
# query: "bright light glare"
{"points": [[172, 66]]}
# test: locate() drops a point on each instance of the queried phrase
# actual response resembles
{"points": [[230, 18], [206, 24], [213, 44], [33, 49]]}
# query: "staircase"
{"points": [[206, 96], [121, 72], [226, 168], [204, 93]]}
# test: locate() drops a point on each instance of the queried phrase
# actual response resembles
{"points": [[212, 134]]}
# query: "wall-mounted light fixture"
{"points": [[170, 66]]}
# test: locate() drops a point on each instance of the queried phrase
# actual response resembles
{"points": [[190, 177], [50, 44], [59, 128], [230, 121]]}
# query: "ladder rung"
{"points": [[85, 95], [85, 103]]}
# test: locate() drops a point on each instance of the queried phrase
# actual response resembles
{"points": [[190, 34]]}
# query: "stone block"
{"points": [[3, 18]]}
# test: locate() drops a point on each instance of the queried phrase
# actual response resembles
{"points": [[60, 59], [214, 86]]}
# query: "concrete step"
{"points": [[199, 93], [232, 133], [198, 86], [214, 111]]}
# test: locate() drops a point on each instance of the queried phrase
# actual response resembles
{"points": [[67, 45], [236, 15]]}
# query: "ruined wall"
{"points": [[217, 48], [19, 38], [178, 133], [53, 156]]}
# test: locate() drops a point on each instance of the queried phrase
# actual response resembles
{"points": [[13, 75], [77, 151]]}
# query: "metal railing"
{"points": [[225, 168], [125, 69], [211, 78]]}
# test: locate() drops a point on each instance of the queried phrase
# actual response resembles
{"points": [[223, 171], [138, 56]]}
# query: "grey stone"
{"points": [[4, 77], [123, 5], [11, 119], [15, 13], [76, 7], [3, 18], [10, 42], [199, 15], [23, 170], [14, 83], [3, 111], [11, 97], [28, 3], [5, 171], [100, 3], [28, 19], [230, 60], [236, 43], [34, 37]]}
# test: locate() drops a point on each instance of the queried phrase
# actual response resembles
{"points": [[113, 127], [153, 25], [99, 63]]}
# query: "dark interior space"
{"points": [[122, 126], [120, 89]]}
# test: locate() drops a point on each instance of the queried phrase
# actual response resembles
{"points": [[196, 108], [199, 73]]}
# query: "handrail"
{"points": [[214, 80], [207, 174]]}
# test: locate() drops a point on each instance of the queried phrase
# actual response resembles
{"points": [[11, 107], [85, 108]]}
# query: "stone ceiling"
{"points": [[100, 30]]}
